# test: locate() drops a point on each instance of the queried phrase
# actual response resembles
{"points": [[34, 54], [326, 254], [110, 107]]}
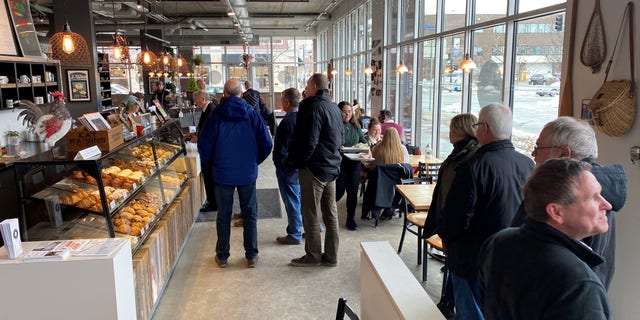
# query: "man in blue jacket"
{"points": [[233, 142], [315, 151], [484, 197], [573, 138]]}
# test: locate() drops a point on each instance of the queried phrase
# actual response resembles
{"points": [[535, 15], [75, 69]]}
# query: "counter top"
{"points": [[29, 148]]}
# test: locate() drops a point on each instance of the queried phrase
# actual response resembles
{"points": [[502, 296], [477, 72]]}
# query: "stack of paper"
{"points": [[55, 250], [11, 236]]}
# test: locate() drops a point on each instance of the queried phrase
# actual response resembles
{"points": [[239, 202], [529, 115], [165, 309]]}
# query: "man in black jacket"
{"points": [[315, 151], [573, 138], [201, 101], [253, 98], [484, 197], [542, 270]]}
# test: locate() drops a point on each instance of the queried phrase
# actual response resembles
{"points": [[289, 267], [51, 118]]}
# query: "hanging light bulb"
{"points": [[67, 43], [166, 74], [401, 68], [180, 61], [347, 72], [146, 57], [367, 70], [334, 72], [467, 64], [166, 59], [151, 74]]}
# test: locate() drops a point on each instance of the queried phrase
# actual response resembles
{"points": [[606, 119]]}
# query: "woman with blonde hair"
{"points": [[390, 149], [462, 135]]}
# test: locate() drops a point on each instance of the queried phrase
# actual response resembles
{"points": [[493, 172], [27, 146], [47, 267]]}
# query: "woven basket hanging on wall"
{"points": [[80, 57]]}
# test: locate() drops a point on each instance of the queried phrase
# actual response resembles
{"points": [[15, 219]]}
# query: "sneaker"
{"points": [[325, 262], [287, 240], [304, 261], [222, 263], [251, 263]]}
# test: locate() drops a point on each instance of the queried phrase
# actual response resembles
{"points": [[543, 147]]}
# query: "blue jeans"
{"points": [[289, 186], [249, 210], [467, 298]]}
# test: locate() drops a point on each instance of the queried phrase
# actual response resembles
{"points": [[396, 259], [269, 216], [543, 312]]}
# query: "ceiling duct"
{"points": [[239, 7]]}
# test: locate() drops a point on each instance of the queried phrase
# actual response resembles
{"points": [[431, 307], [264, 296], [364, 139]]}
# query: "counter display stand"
{"points": [[141, 191]]}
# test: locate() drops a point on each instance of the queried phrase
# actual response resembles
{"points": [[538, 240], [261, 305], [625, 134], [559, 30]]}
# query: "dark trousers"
{"points": [[348, 181], [209, 185]]}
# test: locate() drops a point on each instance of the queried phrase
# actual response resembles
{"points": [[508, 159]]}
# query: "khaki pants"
{"points": [[319, 198]]}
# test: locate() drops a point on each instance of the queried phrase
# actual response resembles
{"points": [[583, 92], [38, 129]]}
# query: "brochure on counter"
{"points": [[63, 249], [10, 229]]}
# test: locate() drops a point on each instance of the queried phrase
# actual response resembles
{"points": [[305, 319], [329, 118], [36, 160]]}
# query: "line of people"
{"points": [[557, 260]]}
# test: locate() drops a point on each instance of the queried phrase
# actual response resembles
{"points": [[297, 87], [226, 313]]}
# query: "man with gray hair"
{"points": [[201, 101], [484, 196], [573, 138], [542, 270]]}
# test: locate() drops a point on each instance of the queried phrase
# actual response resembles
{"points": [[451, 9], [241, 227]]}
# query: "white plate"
{"points": [[354, 150]]}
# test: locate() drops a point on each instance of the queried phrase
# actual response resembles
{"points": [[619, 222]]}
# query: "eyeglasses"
{"points": [[536, 148], [476, 125]]}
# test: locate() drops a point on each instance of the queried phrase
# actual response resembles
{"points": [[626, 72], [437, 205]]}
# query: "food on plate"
{"points": [[361, 145]]}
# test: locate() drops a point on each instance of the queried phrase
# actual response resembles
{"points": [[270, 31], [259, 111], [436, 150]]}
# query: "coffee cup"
{"points": [[24, 79], [139, 129], [36, 79], [4, 79], [8, 103]]}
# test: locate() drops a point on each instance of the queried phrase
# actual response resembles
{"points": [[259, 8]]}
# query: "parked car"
{"points": [[539, 79], [551, 90]]}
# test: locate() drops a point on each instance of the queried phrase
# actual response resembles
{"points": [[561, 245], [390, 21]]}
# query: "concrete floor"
{"points": [[199, 289]]}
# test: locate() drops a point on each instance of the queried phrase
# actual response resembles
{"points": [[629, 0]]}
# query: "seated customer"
{"points": [[374, 132], [390, 149], [542, 270]]}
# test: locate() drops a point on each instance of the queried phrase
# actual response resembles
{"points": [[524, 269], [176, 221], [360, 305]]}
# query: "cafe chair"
{"points": [[413, 219], [432, 171], [433, 248], [380, 191], [344, 309]]}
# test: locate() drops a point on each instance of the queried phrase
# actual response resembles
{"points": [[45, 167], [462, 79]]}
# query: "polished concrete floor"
{"points": [[199, 289]]}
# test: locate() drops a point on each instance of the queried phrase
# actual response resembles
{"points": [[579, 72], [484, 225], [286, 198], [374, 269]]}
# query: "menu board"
{"points": [[23, 26]]}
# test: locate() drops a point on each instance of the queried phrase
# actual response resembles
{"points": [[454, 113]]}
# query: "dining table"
{"points": [[417, 195], [415, 159]]}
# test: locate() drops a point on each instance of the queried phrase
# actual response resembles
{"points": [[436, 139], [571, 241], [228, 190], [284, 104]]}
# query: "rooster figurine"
{"points": [[50, 127]]}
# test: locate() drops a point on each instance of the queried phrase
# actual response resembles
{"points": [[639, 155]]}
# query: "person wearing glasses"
{"points": [[541, 270], [573, 138], [483, 198]]}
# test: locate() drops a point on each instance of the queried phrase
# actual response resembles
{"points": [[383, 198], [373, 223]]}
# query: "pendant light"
{"points": [[367, 70], [115, 47], [147, 57], [401, 68], [347, 72], [69, 47], [467, 64]]}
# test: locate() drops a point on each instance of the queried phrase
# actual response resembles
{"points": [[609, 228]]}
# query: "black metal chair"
{"points": [[380, 192], [344, 309], [413, 219]]}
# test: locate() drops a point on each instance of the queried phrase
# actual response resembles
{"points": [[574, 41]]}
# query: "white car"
{"points": [[551, 90]]}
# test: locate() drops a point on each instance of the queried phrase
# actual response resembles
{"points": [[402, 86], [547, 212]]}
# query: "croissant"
{"points": [[85, 203]]}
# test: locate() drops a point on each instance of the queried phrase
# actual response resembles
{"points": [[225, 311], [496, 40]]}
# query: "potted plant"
{"points": [[192, 87], [197, 60], [13, 137]]}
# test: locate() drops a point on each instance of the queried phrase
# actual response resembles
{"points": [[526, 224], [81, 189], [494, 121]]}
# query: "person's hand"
{"points": [[341, 149], [193, 138]]}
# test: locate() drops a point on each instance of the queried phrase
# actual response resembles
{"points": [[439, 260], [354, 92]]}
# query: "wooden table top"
{"points": [[418, 195], [414, 159]]}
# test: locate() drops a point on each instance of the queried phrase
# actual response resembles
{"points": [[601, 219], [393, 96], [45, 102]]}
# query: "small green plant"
{"points": [[12, 133], [197, 59], [193, 84]]}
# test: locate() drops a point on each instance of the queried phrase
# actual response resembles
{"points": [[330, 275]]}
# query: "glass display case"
{"points": [[120, 194]]}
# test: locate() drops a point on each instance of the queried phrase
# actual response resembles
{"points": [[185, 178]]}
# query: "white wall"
{"points": [[8, 121], [626, 283]]}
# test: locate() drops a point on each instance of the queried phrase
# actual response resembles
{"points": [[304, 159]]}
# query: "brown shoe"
{"points": [[304, 261], [237, 223], [237, 216], [220, 262], [287, 240]]}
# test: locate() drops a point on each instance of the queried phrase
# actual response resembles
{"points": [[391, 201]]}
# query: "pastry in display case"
{"points": [[120, 194]]}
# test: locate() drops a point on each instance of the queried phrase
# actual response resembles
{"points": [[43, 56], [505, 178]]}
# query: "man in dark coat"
{"points": [[484, 197], [315, 151], [542, 270], [573, 138], [253, 98], [201, 101]]}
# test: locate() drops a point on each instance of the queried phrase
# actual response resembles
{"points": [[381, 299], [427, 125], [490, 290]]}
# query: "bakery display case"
{"points": [[122, 194]]}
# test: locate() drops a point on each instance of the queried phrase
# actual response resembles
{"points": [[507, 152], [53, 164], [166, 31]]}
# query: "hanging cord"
{"points": [[627, 11]]}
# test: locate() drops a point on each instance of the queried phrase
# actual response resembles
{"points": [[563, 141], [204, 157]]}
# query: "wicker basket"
{"points": [[614, 107]]}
